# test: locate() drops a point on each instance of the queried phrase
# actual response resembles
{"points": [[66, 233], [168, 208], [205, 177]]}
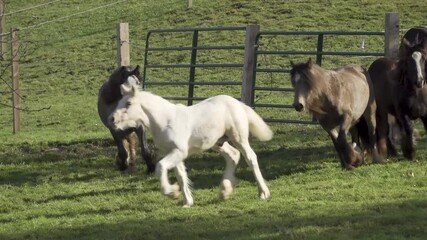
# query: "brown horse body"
{"points": [[126, 142], [339, 100], [400, 95]]}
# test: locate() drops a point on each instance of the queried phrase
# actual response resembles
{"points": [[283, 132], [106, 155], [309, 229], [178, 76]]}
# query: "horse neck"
{"points": [[320, 81], [153, 104], [110, 93]]}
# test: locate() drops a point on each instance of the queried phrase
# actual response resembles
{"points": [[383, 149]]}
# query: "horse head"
{"points": [[122, 74], [301, 83], [414, 63], [128, 113]]}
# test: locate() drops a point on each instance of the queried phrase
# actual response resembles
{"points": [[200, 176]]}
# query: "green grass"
{"points": [[57, 176]]}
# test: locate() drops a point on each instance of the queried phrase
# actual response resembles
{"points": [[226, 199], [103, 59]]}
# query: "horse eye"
{"points": [[128, 104]]}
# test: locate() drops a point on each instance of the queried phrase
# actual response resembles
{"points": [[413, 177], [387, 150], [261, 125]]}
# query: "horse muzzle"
{"points": [[298, 107]]}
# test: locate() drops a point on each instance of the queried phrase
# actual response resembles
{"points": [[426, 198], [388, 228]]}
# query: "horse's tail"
{"points": [[257, 126]]}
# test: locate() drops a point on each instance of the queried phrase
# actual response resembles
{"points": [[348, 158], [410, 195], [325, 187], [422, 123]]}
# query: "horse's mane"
{"points": [[407, 49], [110, 90], [308, 71]]}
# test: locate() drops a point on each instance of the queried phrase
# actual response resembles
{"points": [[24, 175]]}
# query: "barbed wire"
{"points": [[30, 8], [26, 109]]}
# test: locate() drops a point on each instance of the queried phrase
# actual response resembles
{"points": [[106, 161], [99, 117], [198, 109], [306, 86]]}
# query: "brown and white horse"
{"points": [[400, 92]]}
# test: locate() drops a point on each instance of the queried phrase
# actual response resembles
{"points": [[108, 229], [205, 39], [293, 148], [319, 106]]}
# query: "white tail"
{"points": [[257, 126]]}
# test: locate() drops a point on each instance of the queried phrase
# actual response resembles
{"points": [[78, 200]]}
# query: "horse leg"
{"points": [[130, 142], [163, 166], [185, 184], [424, 120], [122, 154], [355, 136], [146, 153], [333, 135], [345, 152], [346, 149], [407, 138], [232, 157], [393, 134], [251, 160], [371, 122], [382, 133]]}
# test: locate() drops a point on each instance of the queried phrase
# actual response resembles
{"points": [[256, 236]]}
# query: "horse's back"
{"points": [[384, 75], [353, 69], [381, 69]]}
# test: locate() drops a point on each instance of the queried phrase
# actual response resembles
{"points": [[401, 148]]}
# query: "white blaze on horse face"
{"points": [[417, 56], [297, 77]]}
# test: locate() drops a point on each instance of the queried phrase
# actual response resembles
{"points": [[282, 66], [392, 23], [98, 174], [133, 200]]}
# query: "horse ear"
{"points": [[136, 71], [309, 63], [406, 43], [292, 63]]}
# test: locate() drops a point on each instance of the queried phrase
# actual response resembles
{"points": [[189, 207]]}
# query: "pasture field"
{"points": [[58, 179]]}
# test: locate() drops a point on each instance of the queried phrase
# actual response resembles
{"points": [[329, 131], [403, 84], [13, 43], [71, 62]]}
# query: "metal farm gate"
{"points": [[311, 45], [193, 50], [259, 78]]}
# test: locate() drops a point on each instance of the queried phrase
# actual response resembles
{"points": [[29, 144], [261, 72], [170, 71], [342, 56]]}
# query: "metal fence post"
{"points": [[123, 53], [15, 80], [319, 53], [192, 67], [249, 65], [391, 41]]}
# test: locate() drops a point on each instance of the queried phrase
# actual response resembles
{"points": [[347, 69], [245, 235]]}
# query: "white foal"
{"points": [[179, 131]]}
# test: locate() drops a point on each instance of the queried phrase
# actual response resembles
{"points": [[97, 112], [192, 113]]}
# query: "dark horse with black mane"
{"points": [[126, 141], [400, 91]]}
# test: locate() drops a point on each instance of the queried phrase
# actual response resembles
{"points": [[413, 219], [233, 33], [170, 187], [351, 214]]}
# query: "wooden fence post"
{"points": [[2, 31], [15, 80], [391, 35], [189, 3], [248, 65], [123, 53]]}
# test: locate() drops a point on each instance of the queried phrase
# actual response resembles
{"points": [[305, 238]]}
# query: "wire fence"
{"points": [[41, 72], [83, 74]]}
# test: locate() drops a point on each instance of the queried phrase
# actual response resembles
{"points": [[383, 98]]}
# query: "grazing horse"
{"points": [[400, 92], [340, 100], [126, 141], [179, 131]]}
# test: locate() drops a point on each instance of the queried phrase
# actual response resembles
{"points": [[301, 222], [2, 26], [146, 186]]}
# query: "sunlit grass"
{"points": [[58, 179]]}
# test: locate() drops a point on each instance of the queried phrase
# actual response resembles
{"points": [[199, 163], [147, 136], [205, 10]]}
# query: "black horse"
{"points": [[109, 95]]}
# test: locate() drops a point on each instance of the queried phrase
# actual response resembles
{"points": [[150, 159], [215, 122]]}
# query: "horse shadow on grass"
{"points": [[206, 170], [78, 161], [397, 220]]}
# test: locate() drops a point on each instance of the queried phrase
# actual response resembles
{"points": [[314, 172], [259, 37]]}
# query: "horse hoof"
{"points": [[226, 189], [409, 155], [349, 167], [131, 169], [173, 195], [187, 203], [264, 195]]}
